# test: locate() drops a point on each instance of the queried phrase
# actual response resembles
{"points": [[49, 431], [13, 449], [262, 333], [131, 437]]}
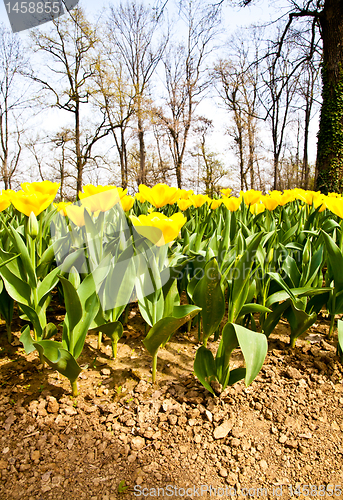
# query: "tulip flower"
{"points": [[257, 208], [184, 194], [140, 197], [44, 187], [226, 192], [251, 197], [215, 204], [199, 200], [159, 195], [61, 206], [100, 198], [232, 204], [76, 214], [31, 202], [127, 203], [167, 228], [335, 205], [4, 201], [269, 202], [184, 204]]}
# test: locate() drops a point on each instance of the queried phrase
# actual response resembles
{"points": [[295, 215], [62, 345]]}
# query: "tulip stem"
{"points": [[154, 367], [74, 389], [99, 339]]}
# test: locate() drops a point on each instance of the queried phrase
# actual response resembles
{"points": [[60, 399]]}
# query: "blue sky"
{"points": [[260, 11]]}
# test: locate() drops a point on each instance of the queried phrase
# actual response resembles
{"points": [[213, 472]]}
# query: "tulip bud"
{"points": [[270, 255], [74, 278], [306, 252], [32, 226]]}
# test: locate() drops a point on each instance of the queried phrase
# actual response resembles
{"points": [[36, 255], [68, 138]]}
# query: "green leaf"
{"points": [[161, 331], [48, 283], [335, 258], [291, 269], [340, 339], [171, 299], [38, 323], [227, 344], [236, 375], [114, 330], [49, 331], [242, 271], [253, 308], [72, 303], [80, 332], [208, 295], [26, 340], [299, 321], [24, 256], [19, 290], [254, 348], [58, 358], [282, 283], [274, 317], [204, 367]]}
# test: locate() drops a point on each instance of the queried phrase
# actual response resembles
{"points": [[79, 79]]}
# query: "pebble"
{"points": [[52, 406], [282, 438], [137, 443], [222, 430]]}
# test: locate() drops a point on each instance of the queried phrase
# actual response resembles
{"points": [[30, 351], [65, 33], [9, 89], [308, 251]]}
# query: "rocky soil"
{"points": [[124, 438]]}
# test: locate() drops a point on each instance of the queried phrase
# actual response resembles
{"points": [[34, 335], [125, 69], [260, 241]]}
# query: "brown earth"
{"points": [[124, 438]]}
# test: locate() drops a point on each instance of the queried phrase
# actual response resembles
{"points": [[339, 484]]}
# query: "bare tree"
{"points": [[133, 27], [186, 77], [238, 80], [12, 63], [211, 169], [70, 46]]}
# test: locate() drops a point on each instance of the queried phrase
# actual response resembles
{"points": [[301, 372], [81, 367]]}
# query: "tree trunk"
{"points": [[142, 176], [305, 157], [79, 162], [330, 136]]}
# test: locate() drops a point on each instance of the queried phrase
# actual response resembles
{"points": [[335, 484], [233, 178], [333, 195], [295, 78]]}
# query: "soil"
{"points": [[124, 438]]}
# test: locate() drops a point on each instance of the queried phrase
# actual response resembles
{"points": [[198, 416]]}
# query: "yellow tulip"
{"points": [[183, 204], [44, 187], [215, 204], [199, 200], [257, 208], [226, 192], [251, 197], [320, 201], [140, 197], [61, 206], [269, 202], [76, 214], [100, 198], [158, 228], [334, 195], [335, 205], [4, 201], [159, 195], [184, 194], [127, 203], [232, 204], [31, 202]]}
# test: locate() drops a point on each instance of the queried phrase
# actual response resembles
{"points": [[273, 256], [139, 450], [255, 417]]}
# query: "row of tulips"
{"points": [[240, 264]]}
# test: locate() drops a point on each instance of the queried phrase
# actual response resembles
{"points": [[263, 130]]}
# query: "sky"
{"points": [[260, 12]]}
